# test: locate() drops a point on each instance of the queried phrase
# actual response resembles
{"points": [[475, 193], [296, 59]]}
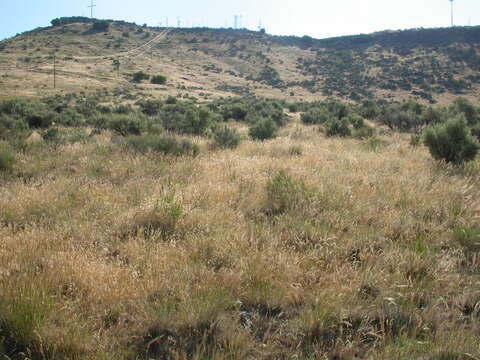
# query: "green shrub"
{"points": [[318, 115], [100, 26], [42, 119], [70, 117], [356, 120], [163, 219], [162, 144], [364, 132], [6, 159], [465, 107], [159, 79], [451, 141], [263, 129], [53, 137], [284, 194], [415, 140], [476, 131], [225, 137], [11, 127], [187, 118], [338, 128], [150, 107], [124, 125], [139, 76], [171, 100], [235, 111], [432, 116], [468, 238], [293, 108], [374, 143]]}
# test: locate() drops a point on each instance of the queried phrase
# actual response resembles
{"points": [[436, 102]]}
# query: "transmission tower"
{"points": [[237, 21], [91, 6], [451, 3]]}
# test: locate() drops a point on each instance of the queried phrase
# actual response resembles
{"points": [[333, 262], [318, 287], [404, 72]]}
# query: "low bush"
{"points": [[468, 238], [225, 137], [364, 132], [162, 219], [338, 128], [171, 100], [166, 145], [6, 158], [150, 107], [53, 137], [186, 118], [140, 76], [100, 26], [284, 194], [356, 120], [70, 117], [122, 124], [11, 127], [159, 80], [318, 115], [263, 129], [451, 141], [476, 131], [293, 108], [40, 120]]}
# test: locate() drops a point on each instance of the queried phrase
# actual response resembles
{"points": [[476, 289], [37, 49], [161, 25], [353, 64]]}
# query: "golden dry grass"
{"points": [[107, 254]]}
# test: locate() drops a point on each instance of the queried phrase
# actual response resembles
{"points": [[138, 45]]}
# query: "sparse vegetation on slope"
{"points": [[423, 64]]}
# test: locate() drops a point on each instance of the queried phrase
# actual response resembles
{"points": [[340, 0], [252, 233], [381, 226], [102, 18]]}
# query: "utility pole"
{"points": [[178, 22], [92, 5], [54, 72], [451, 2], [116, 65]]}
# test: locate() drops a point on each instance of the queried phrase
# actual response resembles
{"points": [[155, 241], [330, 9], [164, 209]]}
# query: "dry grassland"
{"points": [[303, 247]]}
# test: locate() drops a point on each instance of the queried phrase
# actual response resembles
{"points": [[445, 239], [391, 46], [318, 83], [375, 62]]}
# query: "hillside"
{"points": [[429, 65]]}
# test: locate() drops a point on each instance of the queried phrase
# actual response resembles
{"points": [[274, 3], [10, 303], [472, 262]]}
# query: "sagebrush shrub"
{"points": [[263, 129], [158, 79], [124, 125], [338, 128], [6, 159], [162, 144], [468, 238], [42, 119], [319, 115], [284, 194], [53, 137], [162, 219], [187, 118], [364, 132], [140, 76], [100, 26], [451, 141], [225, 137]]}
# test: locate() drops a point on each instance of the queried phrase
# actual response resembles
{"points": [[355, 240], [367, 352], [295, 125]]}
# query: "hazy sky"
{"points": [[317, 18]]}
